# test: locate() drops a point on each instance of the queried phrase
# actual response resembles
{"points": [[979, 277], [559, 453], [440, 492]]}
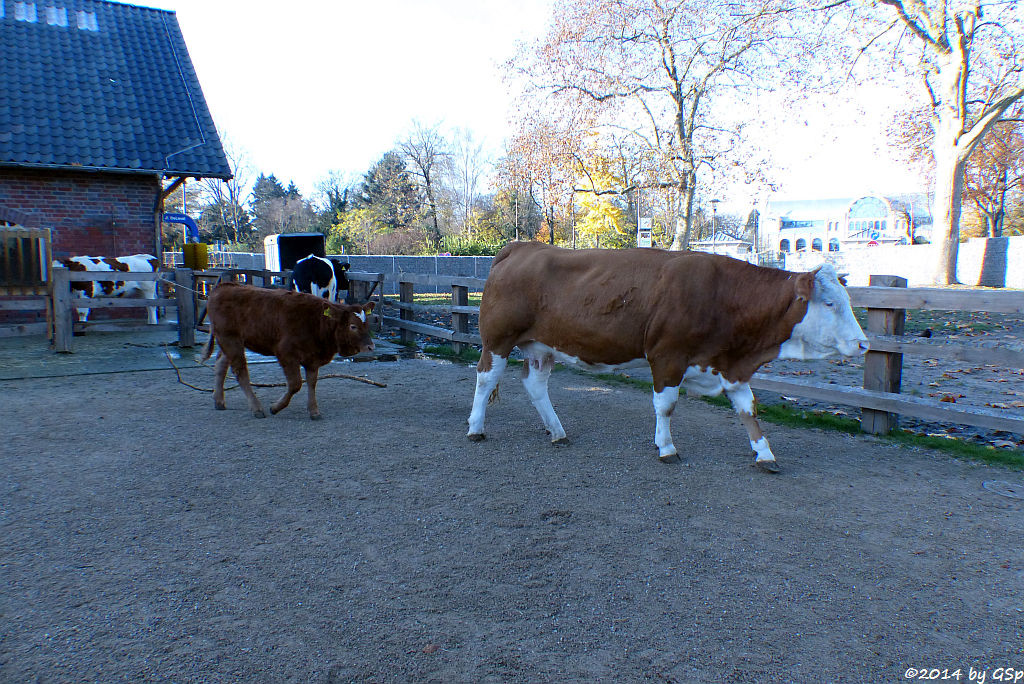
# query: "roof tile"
{"points": [[119, 94]]}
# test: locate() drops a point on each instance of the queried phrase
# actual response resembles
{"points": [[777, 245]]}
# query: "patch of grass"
{"points": [[430, 298], [468, 354], [1010, 458]]}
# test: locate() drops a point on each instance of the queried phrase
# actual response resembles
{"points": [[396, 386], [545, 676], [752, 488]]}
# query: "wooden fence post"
{"points": [[405, 296], [883, 370], [460, 321], [186, 307], [63, 321]]}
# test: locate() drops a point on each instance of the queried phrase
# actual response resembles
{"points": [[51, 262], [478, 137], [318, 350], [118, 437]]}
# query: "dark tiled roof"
{"points": [[101, 85]]}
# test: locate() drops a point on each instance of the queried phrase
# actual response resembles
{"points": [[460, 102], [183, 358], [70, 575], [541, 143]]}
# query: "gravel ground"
{"points": [[146, 537]]}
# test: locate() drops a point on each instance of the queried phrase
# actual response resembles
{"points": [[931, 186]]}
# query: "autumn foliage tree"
{"points": [[972, 70], [653, 69]]}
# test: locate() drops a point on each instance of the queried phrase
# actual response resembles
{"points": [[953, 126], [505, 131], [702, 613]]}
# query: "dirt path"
{"points": [[146, 537]]}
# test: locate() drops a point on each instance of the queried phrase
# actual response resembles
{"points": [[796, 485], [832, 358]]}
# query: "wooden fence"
{"points": [[879, 398], [24, 276], [65, 307]]}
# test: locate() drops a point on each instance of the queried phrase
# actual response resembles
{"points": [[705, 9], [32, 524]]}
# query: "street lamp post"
{"points": [[714, 226]]}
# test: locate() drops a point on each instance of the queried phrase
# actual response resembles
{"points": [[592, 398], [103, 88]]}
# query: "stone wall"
{"points": [[992, 262]]}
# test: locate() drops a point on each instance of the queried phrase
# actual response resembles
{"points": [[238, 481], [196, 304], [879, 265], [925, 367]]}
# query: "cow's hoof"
{"points": [[670, 458], [477, 437], [315, 416], [767, 466], [220, 407], [561, 441], [259, 414]]}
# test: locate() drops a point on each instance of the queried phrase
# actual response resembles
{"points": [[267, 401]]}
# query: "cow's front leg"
{"points": [[743, 401], [536, 372], [293, 379], [311, 377], [664, 404], [488, 373]]}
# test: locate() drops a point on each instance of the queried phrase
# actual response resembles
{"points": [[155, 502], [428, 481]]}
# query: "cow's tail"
{"points": [[493, 398], [207, 351]]}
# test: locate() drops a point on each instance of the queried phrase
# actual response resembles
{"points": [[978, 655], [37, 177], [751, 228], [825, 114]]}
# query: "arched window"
{"points": [[801, 245], [833, 245], [816, 244], [784, 246]]}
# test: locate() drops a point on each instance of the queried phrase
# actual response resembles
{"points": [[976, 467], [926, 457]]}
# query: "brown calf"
{"points": [[299, 329]]}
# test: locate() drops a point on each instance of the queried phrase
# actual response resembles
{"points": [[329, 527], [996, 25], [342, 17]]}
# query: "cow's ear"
{"points": [[805, 285], [368, 307], [345, 266]]}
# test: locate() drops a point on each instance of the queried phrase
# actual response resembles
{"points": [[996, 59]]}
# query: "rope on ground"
{"points": [[344, 376]]}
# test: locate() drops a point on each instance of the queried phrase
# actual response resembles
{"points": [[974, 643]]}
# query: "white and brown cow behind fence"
{"points": [[703, 322], [136, 263]]}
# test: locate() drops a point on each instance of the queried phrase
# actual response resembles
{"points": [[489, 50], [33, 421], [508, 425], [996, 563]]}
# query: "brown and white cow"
{"points": [[136, 263], [702, 322], [299, 329]]}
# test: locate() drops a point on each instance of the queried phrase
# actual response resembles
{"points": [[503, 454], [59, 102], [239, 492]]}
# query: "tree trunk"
{"points": [[684, 229], [949, 126], [949, 186]]}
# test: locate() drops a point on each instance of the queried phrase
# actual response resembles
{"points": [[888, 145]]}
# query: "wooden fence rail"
{"points": [[65, 307], [879, 399]]}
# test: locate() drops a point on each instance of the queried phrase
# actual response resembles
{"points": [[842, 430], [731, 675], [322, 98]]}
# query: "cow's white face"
{"points": [[829, 327]]}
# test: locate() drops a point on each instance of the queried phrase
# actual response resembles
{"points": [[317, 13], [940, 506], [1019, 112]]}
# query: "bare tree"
{"points": [[972, 67], [230, 196], [426, 151], [654, 67], [468, 165]]}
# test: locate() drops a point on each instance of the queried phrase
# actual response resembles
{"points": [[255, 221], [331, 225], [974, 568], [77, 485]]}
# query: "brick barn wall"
{"points": [[97, 214]]}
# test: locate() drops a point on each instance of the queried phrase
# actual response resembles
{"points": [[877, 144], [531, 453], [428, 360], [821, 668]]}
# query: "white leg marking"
{"points": [[741, 397], [536, 384], [664, 404], [743, 401], [763, 451], [485, 384]]}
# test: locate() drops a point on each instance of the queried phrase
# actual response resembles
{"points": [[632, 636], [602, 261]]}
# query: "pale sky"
{"points": [[306, 87]]}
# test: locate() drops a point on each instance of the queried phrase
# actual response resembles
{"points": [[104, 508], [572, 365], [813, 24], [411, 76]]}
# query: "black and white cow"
{"points": [[320, 276]]}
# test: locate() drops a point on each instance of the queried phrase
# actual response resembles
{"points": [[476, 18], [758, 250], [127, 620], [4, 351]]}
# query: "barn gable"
{"points": [[101, 104]]}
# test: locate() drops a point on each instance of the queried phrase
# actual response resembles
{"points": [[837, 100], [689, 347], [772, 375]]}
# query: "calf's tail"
{"points": [[208, 347]]}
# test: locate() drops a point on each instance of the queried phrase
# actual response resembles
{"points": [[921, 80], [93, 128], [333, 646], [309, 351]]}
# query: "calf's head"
{"points": [[829, 326], [350, 327]]}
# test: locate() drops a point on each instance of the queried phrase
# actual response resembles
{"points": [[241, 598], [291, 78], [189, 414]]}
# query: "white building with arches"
{"points": [[836, 225]]}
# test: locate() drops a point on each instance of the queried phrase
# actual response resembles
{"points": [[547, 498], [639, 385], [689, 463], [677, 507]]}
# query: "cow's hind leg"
{"points": [[220, 371], [664, 405], [536, 372], [293, 378], [312, 373], [488, 373], [236, 353], [743, 401]]}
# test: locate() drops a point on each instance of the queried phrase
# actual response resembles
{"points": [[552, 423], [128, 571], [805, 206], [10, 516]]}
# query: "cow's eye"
{"points": [[830, 304], [353, 327]]}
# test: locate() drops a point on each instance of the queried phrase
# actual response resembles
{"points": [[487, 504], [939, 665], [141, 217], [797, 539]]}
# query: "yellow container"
{"points": [[196, 256]]}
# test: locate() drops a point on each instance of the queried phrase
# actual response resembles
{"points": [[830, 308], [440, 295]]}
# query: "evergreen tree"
{"points": [[390, 191]]}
